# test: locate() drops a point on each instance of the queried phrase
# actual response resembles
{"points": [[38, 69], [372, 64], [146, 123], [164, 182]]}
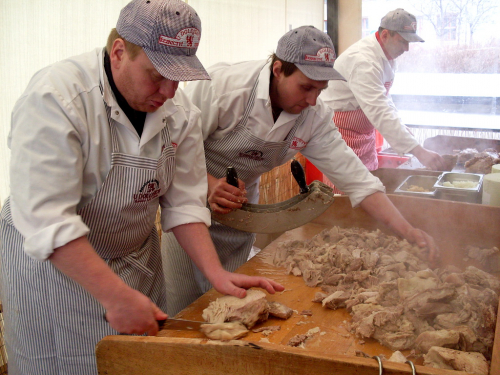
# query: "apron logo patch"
{"points": [[149, 191], [298, 144], [252, 154]]}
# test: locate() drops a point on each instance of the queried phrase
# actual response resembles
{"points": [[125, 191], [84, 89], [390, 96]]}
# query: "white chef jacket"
{"points": [[61, 152], [223, 100], [369, 76]]}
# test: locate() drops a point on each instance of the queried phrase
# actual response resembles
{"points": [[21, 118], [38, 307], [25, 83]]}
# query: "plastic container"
{"points": [[491, 189]]}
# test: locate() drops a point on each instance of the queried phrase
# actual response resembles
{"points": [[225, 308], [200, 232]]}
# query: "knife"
{"points": [[300, 176], [180, 324], [176, 324]]}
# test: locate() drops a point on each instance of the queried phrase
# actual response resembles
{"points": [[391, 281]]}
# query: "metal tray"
{"points": [[471, 195], [426, 182]]}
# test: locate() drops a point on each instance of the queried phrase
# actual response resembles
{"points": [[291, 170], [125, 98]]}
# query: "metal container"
{"points": [[460, 194], [425, 182]]}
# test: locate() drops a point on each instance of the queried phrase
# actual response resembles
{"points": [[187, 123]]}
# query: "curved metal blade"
{"points": [[282, 216]]}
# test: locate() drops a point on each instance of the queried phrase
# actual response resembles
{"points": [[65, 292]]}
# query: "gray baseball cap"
{"points": [[404, 23], [311, 50], [169, 32]]}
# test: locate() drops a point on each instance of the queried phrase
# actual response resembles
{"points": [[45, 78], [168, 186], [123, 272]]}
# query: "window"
{"points": [[451, 83]]}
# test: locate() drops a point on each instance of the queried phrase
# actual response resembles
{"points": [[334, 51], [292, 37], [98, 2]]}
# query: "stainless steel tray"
{"points": [[425, 182], [461, 194]]}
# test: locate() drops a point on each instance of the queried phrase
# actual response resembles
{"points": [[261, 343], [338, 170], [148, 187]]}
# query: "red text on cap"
{"points": [[324, 54], [186, 38]]}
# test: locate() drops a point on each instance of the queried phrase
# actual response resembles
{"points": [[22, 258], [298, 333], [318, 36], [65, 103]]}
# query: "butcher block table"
{"points": [[333, 351]]}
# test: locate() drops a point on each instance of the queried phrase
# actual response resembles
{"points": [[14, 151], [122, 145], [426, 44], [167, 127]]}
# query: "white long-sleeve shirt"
{"points": [[369, 76], [61, 152], [223, 100]]}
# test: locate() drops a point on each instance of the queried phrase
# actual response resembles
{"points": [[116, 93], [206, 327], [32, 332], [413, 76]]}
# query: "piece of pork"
{"points": [[248, 310], [451, 359], [443, 338]]}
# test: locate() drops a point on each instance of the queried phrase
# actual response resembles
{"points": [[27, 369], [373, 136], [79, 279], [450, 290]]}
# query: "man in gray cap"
{"points": [[98, 142], [257, 115], [362, 103]]}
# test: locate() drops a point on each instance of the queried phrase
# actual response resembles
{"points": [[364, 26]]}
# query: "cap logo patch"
{"points": [[186, 38], [412, 26], [324, 54]]}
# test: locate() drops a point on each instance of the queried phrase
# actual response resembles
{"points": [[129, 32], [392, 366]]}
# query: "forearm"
{"points": [[197, 243], [79, 261], [381, 208]]}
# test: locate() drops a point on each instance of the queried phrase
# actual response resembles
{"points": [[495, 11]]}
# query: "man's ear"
{"points": [[384, 35], [117, 53], [277, 68]]}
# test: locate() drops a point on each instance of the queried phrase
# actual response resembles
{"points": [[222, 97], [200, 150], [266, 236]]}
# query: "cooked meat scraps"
{"points": [[248, 310], [224, 331], [391, 292], [279, 310], [450, 359]]}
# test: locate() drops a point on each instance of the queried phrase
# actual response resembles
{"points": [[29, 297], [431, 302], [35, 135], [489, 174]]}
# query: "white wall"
{"points": [[35, 33]]}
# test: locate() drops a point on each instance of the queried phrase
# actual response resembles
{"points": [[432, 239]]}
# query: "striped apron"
{"points": [[359, 134], [251, 157], [52, 324]]}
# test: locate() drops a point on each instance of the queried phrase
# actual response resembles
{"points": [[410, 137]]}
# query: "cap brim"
{"points": [[320, 73], [411, 37], [177, 67]]}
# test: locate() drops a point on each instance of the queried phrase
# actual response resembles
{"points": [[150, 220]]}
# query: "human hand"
{"points": [[427, 243], [430, 158], [223, 197], [131, 312], [235, 284]]}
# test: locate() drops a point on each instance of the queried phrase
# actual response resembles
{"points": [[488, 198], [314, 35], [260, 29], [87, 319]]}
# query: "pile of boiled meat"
{"points": [[448, 315]]}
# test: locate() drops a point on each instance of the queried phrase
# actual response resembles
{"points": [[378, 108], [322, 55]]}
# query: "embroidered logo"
{"points": [[252, 154], [149, 191], [298, 144], [411, 26], [324, 54], [186, 38]]}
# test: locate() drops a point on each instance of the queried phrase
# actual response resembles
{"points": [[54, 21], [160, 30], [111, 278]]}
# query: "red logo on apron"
{"points": [[298, 144], [149, 191], [252, 154]]}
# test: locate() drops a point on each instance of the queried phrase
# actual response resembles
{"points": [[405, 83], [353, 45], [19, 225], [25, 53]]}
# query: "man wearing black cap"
{"points": [[257, 115], [362, 103], [98, 142]]}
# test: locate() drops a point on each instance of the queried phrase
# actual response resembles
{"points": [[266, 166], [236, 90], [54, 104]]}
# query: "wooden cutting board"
{"points": [[452, 224]]}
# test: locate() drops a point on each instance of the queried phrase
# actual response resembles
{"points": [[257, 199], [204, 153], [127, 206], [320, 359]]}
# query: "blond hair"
{"points": [[132, 49]]}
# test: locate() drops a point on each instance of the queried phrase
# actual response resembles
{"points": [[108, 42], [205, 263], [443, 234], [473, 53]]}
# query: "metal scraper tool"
{"points": [[312, 201]]}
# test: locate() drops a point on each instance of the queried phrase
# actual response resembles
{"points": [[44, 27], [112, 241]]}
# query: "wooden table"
{"points": [[334, 350]]}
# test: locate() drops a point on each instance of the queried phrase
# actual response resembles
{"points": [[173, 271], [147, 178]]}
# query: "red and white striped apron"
{"points": [[52, 324], [359, 134]]}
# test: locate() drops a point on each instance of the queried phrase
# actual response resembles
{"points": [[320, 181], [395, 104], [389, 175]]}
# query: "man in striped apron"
{"points": [[98, 142], [257, 115], [362, 103]]}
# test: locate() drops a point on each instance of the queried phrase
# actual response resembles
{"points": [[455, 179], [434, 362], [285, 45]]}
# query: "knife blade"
{"points": [[181, 324]]}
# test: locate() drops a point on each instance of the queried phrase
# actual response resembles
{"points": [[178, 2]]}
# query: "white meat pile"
{"points": [[394, 297]]}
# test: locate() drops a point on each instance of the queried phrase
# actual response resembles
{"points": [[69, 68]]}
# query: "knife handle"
{"points": [[232, 176], [300, 176]]}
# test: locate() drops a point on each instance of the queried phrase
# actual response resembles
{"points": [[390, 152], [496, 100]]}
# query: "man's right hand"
{"points": [[131, 312], [223, 197]]}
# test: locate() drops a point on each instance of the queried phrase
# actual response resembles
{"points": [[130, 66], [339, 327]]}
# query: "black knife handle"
{"points": [[300, 176], [232, 176]]}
